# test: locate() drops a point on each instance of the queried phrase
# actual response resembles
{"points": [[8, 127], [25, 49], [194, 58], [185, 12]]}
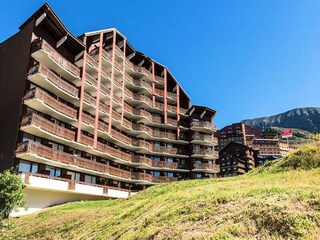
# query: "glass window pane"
{"points": [[58, 172], [51, 170], [24, 166], [34, 167]]}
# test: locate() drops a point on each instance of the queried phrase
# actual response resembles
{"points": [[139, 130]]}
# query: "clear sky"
{"points": [[244, 59]]}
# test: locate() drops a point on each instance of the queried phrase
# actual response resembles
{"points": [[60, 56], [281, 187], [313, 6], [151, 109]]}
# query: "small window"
{"points": [[24, 166]]}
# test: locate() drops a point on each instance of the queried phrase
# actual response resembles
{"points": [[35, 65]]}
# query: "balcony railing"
{"points": [[130, 64], [142, 176], [71, 184], [141, 127], [142, 84], [142, 160], [89, 99], [54, 78], [202, 124], [159, 80], [205, 152], [206, 166], [43, 45], [166, 135], [142, 144], [172, 121], [46, 125], [92, 62], [87, 119], [142, 70], [41, 95], [163, 164], [203, 137], [106, 73], [91, 80], [114, 152], [165, 149], [66, 158], [159, 92], [172, 108]]}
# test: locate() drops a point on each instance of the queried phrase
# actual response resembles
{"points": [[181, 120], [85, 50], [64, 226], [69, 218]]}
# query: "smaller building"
{"points": [[237, 132], [236, 159]]}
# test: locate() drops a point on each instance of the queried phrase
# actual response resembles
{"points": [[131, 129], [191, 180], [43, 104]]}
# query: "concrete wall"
{"points": [[14, 62]]}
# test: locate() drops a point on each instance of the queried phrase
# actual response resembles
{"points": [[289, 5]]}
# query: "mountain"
{"points": [[279, 200], [307, 119]]}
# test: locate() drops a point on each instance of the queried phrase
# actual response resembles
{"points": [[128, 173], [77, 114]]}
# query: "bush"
{"points": [[11, 194]]}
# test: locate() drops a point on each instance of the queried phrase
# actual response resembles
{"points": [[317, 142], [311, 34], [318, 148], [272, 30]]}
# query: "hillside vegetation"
{"points": [[281, 200]]}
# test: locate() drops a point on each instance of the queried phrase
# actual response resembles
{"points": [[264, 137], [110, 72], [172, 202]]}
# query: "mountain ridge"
{"points": [[306, 118]]}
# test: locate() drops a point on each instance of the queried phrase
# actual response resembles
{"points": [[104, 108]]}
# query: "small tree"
{"points": [[11, 194]]}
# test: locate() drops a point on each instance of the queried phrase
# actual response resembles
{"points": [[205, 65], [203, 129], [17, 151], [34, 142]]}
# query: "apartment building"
{"points": [[90, 117], [237, 132], [270, 146], [236, 159]]}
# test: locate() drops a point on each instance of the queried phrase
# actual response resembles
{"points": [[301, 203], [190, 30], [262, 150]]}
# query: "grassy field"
{"points": [[278, 201]]}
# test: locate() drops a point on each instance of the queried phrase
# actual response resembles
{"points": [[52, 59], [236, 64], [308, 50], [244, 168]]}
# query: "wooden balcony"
{"points": [[202, 125], [207, 167], [36, 97], [42, 151], [204, 153], [113, 152], [142, 176], [142, 70], [142, 84], [46, 54], [142, 160], [44, 77], [163, 164], [159, 80], [47, 125], [143, 128]]}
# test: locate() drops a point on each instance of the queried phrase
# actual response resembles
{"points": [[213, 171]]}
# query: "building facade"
{"points": [[91, 117], [236, 159], [237, 132]]}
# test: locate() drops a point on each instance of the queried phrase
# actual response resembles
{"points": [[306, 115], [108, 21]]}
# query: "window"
{"points": [[24, 166], [54, 172], [170, 174], [156, 174], [198, 175], [74, 176], [155, 158], [90, 179], [169, 160], [34, 167]]}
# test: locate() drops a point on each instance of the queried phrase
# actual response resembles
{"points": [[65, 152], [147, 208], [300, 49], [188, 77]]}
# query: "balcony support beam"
{"points": [[153, 85], [61, 41], [123, 75], [82, 91], [112, 81], [165, 98], [40, 19], [178, 111], [96, 120]]}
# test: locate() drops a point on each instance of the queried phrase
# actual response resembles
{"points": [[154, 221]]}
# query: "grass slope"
{"points": [[278, 201]]}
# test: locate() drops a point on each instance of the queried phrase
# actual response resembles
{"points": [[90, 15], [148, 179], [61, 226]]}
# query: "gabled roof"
{"points": [[135, 51], [58, 30]]}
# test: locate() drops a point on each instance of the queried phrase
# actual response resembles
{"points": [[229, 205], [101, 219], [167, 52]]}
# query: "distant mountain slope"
{"points": [[301, 118]]}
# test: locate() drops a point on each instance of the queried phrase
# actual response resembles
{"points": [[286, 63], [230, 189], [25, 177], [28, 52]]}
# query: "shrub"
{"points": [[11, 194]]}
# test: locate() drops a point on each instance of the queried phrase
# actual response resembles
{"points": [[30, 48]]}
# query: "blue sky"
{"points": [[244, 59]]}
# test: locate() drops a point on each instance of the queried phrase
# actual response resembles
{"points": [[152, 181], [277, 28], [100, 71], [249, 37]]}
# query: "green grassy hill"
{"points": [[281, 200]]}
